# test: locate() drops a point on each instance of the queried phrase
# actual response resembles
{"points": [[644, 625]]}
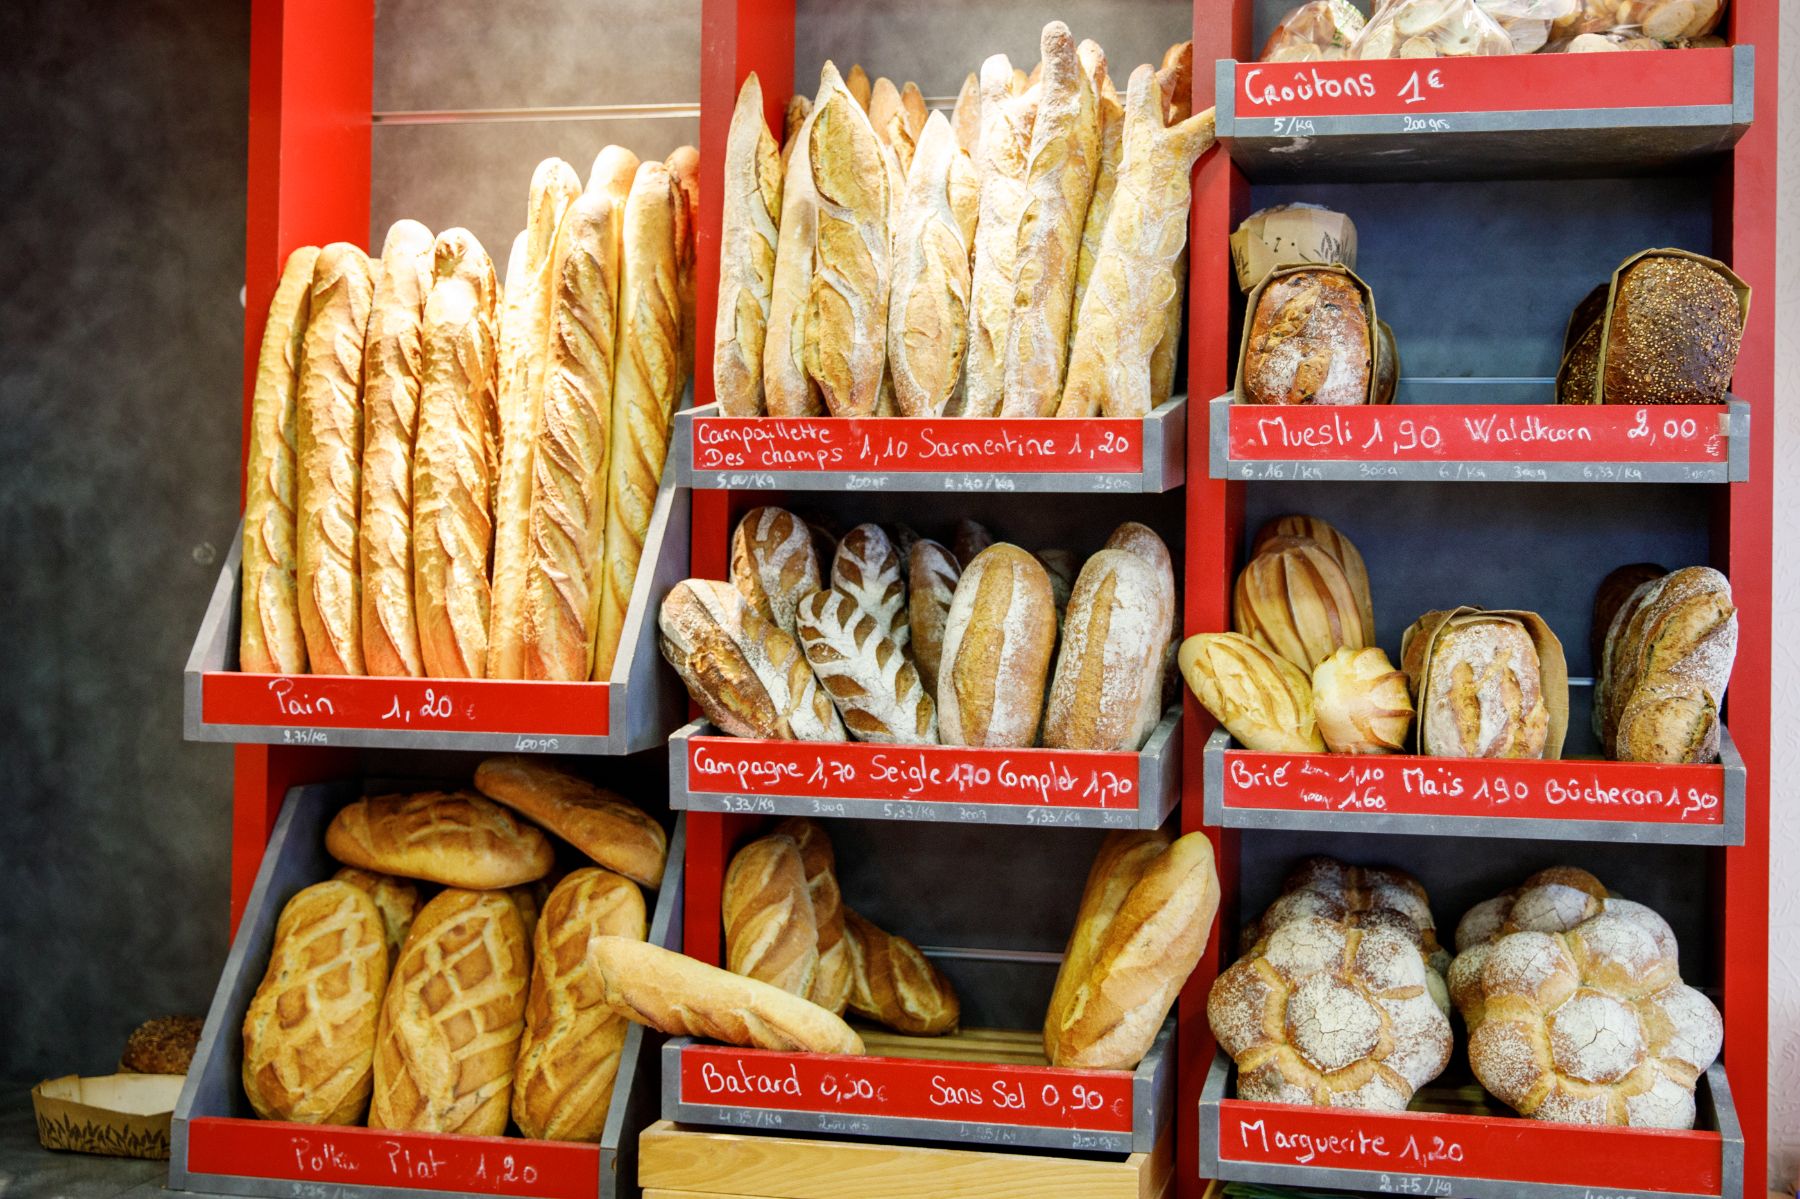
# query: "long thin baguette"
{"points": [[787, 389], [1112, 147], [1176, 79], [1006, 120], [454, 462], [928, 308], [965, 118], [526, 337], [328, 426], [748, 239], [1116, 869], [646, 380], [684, 171], [393, 361], [270, 640]]}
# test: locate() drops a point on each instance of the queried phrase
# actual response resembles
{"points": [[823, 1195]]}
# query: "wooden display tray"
{"points": [[1458, 1142], [950, 784], [974, 1087], [1575, 799], [219, 1147], [690, 1163], [946, 454], [1483, 439], [633, 711], [1507, 116]]}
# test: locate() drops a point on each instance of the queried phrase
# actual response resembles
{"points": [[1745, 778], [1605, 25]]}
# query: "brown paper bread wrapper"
{"points": [[1255, 296], [1290, 234], [118, 1115], [1553, 672]]}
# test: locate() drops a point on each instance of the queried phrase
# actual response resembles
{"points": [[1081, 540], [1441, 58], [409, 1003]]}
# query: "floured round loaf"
{"points": [[1309, 342], [1481, 697]]}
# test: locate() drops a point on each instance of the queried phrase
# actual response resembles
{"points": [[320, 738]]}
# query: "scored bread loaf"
{"points": [[773, 564], [831, 984], [857, 81], [1609, 597], [1610, 683], [1362, 703], [1295, 598], [1261, 698], [965, 117], [1176, 81], [931, 576], [1309, 342], [883, 107], [1678, 637], [866, 672], [770, 931], [397, 899], [646, 383], [270, 641], [748, 241], [1005, 147], [569, 1052], [393, 363], [673, 993], [846, 305], [526, 336], [928, 308], [891, 982], [1481, 696], [1333, 542], [1109, 668], [787, 389], [998, 638], [1672, 720], [309, 1032], [750, 678], [328, 423], [455, 838], [684, 172], [1110, 120], [1117, 867], [1149, 949], [566, 523], [1143, 541], [529, 899], [602, 824], [454, 460], [1059, 182], [452, 1018], [867, 568]]}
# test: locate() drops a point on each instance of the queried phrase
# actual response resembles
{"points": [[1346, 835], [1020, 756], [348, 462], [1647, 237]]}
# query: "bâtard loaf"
{"points": [[1109, 669], [773, 563], [1120, 863], [602, 824], [458, 839], [998, 640], [770, 930], [895, 984], [831, 984], [397, 899]]}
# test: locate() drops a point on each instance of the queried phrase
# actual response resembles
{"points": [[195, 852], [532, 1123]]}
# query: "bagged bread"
{"points": [[1317, 31], [1430, 29]]}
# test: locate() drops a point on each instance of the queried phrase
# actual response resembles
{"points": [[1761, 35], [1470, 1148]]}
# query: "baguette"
{"points": [[792, 121], [675, 994], [602, 824], [1059, 182], [883, 107], [1109, 670], [646, 383], [865, 671], [569, 1053], [1143, 541], [831, 984], [787, 389], [748, 240], [393, 361], [867, 569], [684, 171], [525, 338], [773, 564], [928, 311], [770, 932], [1005, 147], [857, 81], [454, 461], [455, 838], [1133, 284], [846, 305], [892, 983], [270, 640], [965, 117], [1121, 861], [328, 427], [1176, 80], [931, 577], [998, 639], [1111, 116]]}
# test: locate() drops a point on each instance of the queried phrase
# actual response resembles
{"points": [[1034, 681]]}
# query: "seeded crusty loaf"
{"points": [[748, 239], [1004, 148], [1673, 334], [1309, 342], [458, 839], [773, 564], [164, 1045], [770, 930], [998, 639], [1117, 867], [1109, 668], [865, 671], [831, 985], [931, 576], [893, 983], [602, 824]]}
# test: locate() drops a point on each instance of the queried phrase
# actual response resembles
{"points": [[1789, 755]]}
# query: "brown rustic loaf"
{"points": [[1333, 542], [787, 389], [770, 931], [1059, 182], [1681, 636], [931, 576], [457, 838], [1609, 597], [602, 824], [328, 427], [928, 307], [831, 984], [1116, 869], [865, 671], [393, 366], [1295, 598], [270, 640], [773, 564], [998, 639], [892, 983], [1668, 721], [1481, 696], [1609, 673], [673, 993], [1109, 668], [455, 460], [1673, 334], [309, 1032], [569, 1052], [1309, 342], [748, 239], [452, 1018], [750, 678], [867, 568], [1000, 161], [397, 899], [1143, 541]]}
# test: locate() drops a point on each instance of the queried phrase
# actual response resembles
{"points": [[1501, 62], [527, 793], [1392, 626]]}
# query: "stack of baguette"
{"points": [[1662, 662], [1025, 256], [450, 483], [905, 641], [479, 1005]]}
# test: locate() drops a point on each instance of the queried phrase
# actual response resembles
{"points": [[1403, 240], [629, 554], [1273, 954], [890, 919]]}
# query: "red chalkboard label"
{"points": [[897, 445], [1575, 789], [304, 703]]}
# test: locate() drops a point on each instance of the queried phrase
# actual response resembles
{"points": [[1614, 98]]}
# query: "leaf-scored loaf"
{"points": [[774, 564], [865, 671]]}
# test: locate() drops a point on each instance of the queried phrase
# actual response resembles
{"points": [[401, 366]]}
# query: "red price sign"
{"points": [[305, 704], [875, 445]]}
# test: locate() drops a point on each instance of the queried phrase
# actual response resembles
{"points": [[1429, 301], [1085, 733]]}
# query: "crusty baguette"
{"points": [[891, 982], [1116, 869], [770, 932], [646, 384], [845, 346], [1150, 948], [1005, 147], [831, 984], [1111, 116], [867, 568], [1144, 542], [748, 238], [858, 83], [456, 838], [684, 172], [1109, 669], [526, 336], [965, 117], [1059, 182], [270, 641], [997, 644], [884, 106], [455, 460], [773, 564], [931, 576], [602, 824], [569, 1053], [1176, 81], [792, 121], [328, 428], [787, 389], [865, 671], [673, 993], [393, 364], [928, 307]]}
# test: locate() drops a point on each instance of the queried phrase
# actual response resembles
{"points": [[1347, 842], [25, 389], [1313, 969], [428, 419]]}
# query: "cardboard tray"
{"points": [[634, 710], [220, 1147], [118, 1115]]}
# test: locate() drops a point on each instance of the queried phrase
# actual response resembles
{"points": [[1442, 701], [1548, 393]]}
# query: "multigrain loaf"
{"points": [[458, 839], [893, 983], [1109, 668], [865, 671], [770, 931], [831, 984], [1005, 148], [1116, 869], [998, 638], [867, 568], [748, 240], [1672, 334], [928, 309], [602, 824], [774, 564], [931, 576]]}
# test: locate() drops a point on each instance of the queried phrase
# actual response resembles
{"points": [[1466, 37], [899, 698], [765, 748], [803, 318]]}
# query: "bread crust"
{"points": [[831, 985], [684, 171], [1309, 342], [965, 117], [893, 983], [1672, 335], [1261, 698], [788, 390], [456, 838], [867, 568], [1109, 668], [1481, 694], [1005, 148], [748, 241], [1295, 598], [773, 564], [998, 639], [770, 930], [928, 309], [866, 672], [397, 899], [1333, 542], [1110, 115], [1116, 869], [932, 573], [1143, 541], [602, 824]]}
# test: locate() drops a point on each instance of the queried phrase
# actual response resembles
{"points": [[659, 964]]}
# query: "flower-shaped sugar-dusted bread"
{"points": [[1593, 1026], [1331, 1015], [1363, 896]]}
